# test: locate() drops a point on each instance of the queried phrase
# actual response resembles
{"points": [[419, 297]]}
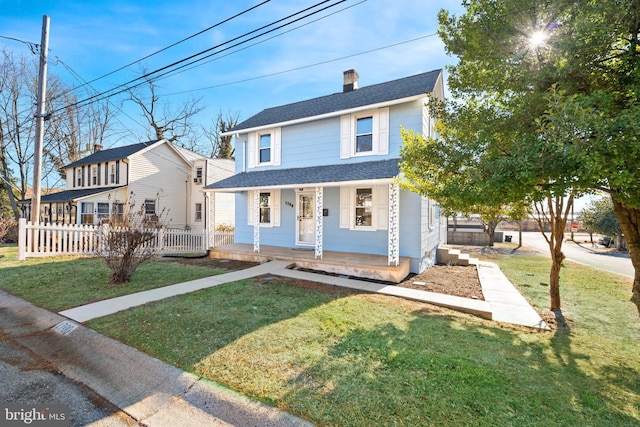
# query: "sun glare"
{"points": [[538, 38]]}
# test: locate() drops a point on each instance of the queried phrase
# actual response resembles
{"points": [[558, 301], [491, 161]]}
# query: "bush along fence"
{"points": [[40, 240]]}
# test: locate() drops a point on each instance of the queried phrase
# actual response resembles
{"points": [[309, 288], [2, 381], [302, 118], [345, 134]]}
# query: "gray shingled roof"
{"points": [[378, 169], [384, 92], [111, 154], [70, 195]]}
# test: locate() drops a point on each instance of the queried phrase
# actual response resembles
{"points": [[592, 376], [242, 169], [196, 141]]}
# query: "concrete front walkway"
{"points": [[502, 302]]}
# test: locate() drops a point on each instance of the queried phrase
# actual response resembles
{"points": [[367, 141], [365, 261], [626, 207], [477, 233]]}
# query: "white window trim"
{"points": [[275, 208], [432, 215], [253, 141], [380, 208], [380, 140], [260, 148]]}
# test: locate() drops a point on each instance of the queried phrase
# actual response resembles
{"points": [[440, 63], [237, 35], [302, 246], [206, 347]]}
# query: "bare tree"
{"points": [[129, 239], [75, 131], [221, 147], [167, 122], [17, 92]]}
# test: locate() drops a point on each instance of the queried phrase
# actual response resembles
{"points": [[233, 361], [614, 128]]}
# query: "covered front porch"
{"points": [[346, 263]]}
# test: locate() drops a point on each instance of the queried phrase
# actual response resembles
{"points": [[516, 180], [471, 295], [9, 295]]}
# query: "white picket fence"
{"points": [[40, 240]]}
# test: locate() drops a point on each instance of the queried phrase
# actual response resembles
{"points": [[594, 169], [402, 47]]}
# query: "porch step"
{"points": [[450, 256]]}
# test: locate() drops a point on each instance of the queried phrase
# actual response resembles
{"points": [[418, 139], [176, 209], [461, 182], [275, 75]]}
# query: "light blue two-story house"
{"points": [[320, 174]]}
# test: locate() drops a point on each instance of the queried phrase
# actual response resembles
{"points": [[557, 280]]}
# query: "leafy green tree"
{"points": [[599, 217], [545, 108]]}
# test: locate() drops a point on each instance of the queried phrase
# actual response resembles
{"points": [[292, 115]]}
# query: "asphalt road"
{"points": [[28, 379], [581, 251]]}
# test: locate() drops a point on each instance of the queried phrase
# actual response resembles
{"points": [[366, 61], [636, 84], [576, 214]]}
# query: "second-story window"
{"points": [[149, 207], [198, 178], [94, 175], [265, 148], [364, 134], [79, 176]]}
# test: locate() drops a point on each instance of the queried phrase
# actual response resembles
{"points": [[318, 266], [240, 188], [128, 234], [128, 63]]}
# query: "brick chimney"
{"points": [[97, 147], [350, 81]]}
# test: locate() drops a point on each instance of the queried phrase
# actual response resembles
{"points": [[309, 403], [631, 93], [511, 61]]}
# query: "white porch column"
{"points": [[210, 218], [256, 221], [319, 221], [394, 224]]}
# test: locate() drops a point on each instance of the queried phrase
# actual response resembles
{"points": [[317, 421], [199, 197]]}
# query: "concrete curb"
{"points": [[147, 389]]}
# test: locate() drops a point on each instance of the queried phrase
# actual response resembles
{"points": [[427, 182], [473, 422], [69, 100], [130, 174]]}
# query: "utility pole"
{"points": [[42, 92]]}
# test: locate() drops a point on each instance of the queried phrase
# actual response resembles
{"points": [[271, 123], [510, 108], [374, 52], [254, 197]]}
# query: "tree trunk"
{"points": [[490, 229], [519, 233], [629, 219], [557, 215], [557, 257]]}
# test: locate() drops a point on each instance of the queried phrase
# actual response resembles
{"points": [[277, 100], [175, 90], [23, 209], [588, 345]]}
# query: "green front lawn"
{"points": [[351, 359], [360, 360], [58, 283]]}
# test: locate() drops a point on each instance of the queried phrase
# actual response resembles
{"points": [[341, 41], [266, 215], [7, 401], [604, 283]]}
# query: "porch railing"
{"points": [[222, 238], [40, 240]]}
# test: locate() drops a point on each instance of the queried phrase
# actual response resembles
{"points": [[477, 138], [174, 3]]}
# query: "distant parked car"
{"points": [[605, 241]]}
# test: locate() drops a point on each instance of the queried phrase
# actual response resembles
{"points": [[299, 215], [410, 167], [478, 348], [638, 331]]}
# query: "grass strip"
{"points": [[59, 283]]}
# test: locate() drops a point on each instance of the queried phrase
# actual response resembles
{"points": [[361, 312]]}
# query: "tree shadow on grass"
{"points": [[187, 329], [443, 371]]}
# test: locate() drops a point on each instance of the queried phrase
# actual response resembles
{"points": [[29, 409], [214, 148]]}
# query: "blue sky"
{"points": [[98, 37]]}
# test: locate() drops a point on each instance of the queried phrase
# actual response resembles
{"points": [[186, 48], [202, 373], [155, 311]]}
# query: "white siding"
{"points": [[161, 174], [218, 169]]}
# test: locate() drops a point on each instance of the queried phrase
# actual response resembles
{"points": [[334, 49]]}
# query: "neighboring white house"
{"points": [[159, 175], [321, 173]]}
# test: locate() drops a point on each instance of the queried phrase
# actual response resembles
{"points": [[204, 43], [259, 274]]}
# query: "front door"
{"points": [[305, 226]]}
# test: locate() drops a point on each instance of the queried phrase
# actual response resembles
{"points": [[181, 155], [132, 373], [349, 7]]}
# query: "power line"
{"points": [[171, 45], [126, 87], [171, 74], [32, 46], [85, 83], [304, 66]]}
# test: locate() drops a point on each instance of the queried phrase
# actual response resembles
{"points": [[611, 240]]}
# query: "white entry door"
{"points": [[305, 225]]}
